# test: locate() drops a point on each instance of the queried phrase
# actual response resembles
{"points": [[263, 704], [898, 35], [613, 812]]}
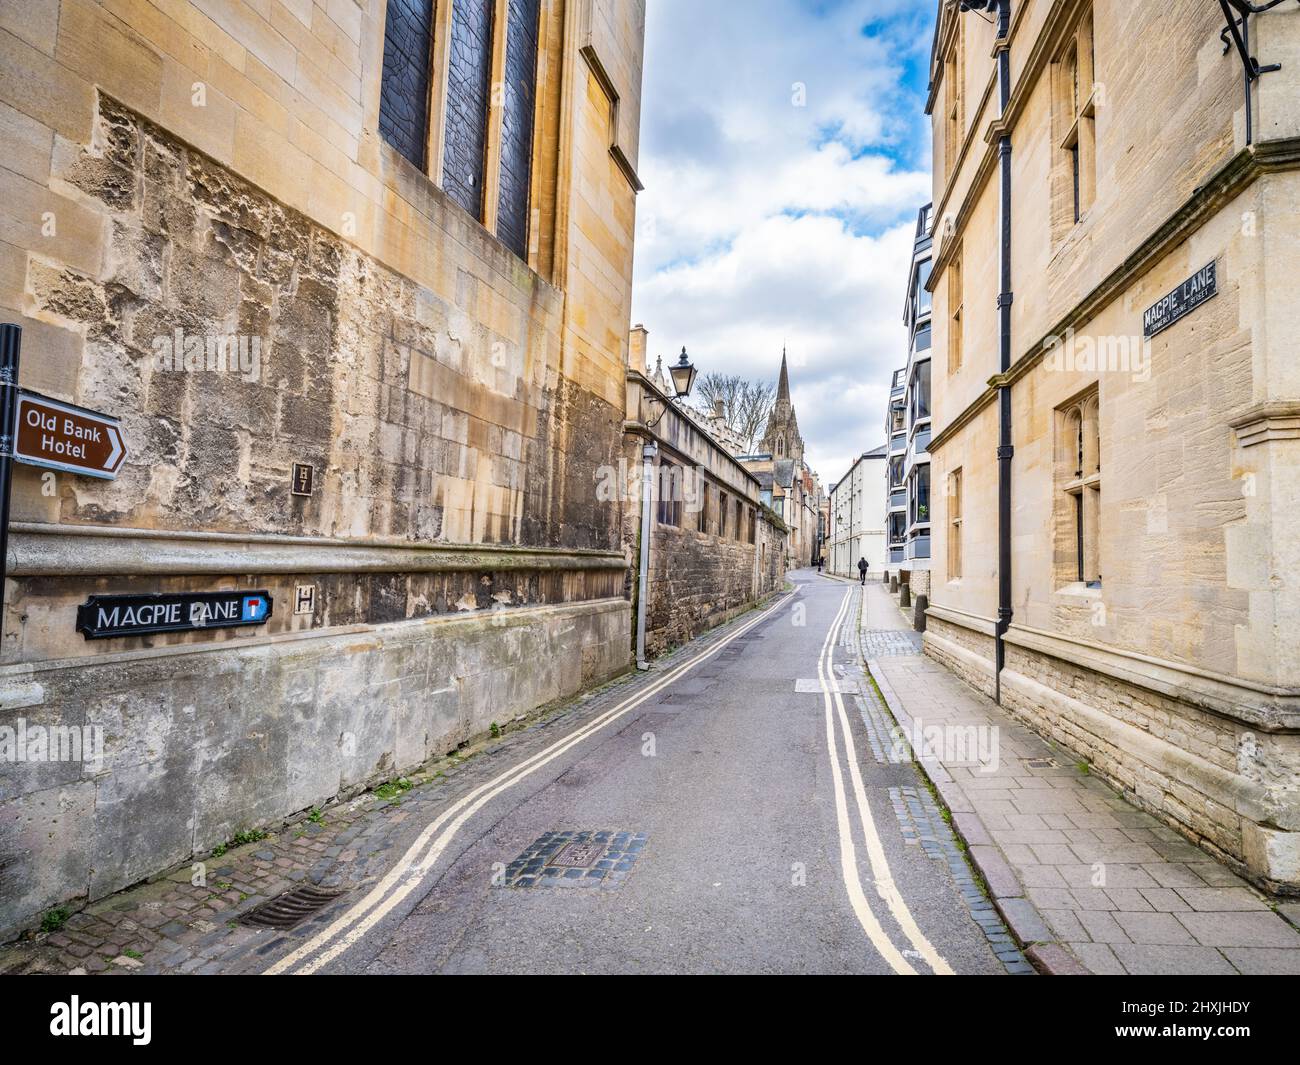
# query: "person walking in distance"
{"points": [[863, 565]]}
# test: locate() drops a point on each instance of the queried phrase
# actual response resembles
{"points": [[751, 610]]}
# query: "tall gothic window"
{"points": [[1075, 119], [519, 93], [469, 120], [469, 75], [1078, 468], [404, 83]]}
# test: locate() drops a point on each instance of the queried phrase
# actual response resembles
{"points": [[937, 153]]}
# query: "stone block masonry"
{"points": [[463, 571], [715, 550]]}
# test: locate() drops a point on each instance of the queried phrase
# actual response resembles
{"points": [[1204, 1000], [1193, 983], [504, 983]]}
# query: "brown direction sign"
{"points": [[61, 436]]}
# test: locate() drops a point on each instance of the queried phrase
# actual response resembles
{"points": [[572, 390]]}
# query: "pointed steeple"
{"points": [[783, 384]]}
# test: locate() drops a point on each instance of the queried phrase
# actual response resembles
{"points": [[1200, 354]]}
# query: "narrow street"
{"points": [[747, 848]]}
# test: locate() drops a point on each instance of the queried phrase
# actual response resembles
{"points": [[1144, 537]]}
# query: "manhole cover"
{"points": [[287, 910], [578, 855], [576, 859]]}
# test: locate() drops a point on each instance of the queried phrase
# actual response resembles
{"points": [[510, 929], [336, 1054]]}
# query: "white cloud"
{"points": [[763, 222]]}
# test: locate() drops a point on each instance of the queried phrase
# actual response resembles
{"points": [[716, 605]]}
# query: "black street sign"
{"points": [[102, 616], [1198, 288]]}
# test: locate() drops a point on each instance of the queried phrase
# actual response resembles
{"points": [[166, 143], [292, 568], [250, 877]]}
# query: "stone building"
{"points": [[714, 550], [908, 426], [1116, 454], [857, 516], [412, 221], [789, 486]]}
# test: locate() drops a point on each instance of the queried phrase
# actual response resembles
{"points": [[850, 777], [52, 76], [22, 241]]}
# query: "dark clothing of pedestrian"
{"points": [[863, 565]]}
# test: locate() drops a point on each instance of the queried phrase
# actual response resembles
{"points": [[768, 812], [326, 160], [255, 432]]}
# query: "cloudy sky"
{"points": [[785, 155]]}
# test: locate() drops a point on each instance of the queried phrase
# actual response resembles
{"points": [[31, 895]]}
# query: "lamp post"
{"points": [[683, 377]]}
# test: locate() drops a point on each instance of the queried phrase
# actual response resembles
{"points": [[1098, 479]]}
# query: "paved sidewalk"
{"points": [[1086, 881]]}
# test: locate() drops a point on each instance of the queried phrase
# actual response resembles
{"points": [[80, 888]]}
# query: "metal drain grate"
{"points": [[287, 910], [1042, 763], [578, 855]]}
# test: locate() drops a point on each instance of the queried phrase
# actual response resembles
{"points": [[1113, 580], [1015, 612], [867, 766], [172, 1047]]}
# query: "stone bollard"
{"points": [[905, 596], [893, 585], [918, 622], [885, 577]]}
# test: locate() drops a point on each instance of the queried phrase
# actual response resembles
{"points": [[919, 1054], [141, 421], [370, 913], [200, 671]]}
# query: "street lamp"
{"points": [[683, 375]]}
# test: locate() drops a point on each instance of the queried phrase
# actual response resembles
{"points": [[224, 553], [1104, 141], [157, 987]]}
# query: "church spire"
{"points": [[783, 385]]}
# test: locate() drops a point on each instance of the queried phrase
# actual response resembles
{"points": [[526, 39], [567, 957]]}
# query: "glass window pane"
{"points": [[404, 82], [517, 124], [469, 71]]}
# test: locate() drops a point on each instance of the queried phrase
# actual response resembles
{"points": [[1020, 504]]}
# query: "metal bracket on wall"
{"points": [[1237, 34]]}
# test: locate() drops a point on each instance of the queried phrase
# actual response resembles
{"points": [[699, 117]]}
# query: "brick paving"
{"points": [[1085, 880], [922, 824]]}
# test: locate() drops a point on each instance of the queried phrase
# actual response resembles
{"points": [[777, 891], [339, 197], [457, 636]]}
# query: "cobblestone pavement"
{"points": [[1084, 879]]}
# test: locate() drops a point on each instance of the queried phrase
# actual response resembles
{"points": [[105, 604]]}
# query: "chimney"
{"points": [[636, 348], [718, 411]]}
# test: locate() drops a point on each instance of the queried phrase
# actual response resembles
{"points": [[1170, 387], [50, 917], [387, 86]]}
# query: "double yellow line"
{"points": [[879, 865], [419, 859]]}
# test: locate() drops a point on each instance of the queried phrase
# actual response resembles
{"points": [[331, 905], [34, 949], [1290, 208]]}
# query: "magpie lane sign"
{"points": [[61, 436], [105, 616]]}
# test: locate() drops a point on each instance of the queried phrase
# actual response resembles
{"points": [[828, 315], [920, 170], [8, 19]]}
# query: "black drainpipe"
{"points": [[1005, 449]]}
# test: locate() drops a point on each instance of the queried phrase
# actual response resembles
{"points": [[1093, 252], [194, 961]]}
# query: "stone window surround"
{"points": [[956, 304], [437, 109], [1074, 90], [1078, 477], [954, 524], [954, 66]]}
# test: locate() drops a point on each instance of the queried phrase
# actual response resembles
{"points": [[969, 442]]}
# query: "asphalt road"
{"points": [[745, 849]]}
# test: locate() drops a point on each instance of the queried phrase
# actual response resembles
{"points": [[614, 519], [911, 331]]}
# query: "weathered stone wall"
{"points": [[771, 556], [697, 580], [200, 746], [378, 382], [217, 169], [703, 568], [1230, 788], [964, 650]]}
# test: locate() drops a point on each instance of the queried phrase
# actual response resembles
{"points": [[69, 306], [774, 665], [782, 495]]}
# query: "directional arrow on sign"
{"points": [[62, 436]]}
